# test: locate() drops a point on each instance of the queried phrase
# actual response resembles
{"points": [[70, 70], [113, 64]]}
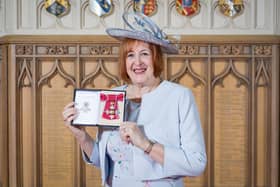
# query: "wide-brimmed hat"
{"points": [[143, 28]]}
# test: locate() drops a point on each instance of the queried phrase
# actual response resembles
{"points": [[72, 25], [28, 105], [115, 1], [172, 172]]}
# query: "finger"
{"points": [[69, 105], [122, 131], [121, 128], [69, 112], [122, 125], [68, 119], [71, 118], [123, 136], [127, 139]]}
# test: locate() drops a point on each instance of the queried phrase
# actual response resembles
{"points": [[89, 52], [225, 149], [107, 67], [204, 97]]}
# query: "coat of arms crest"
{"points": [[231, 8], [147, 7], [187, 7], [58, 8], [101, 7]]}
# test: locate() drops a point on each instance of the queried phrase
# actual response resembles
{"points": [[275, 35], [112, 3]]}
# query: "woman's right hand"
{"points": [[69, 113], [86, 142]]}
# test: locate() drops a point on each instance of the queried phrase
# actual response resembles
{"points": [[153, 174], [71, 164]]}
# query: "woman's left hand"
{"points": [[131, 133]]}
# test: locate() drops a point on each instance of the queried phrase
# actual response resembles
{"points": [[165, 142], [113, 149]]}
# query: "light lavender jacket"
{"points": [[170, 117]]}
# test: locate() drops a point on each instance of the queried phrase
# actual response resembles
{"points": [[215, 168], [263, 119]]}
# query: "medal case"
{"points": [[97, 107]]}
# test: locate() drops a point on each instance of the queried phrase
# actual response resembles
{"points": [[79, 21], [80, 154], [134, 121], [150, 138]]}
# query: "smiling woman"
{"points": [[235, 105], [159, 142], [231, 64]]}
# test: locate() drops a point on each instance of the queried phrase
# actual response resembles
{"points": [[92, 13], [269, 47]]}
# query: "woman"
{"points": [[161, 140]]}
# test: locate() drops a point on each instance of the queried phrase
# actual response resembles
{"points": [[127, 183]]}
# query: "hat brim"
{"points": [[121, 34]]}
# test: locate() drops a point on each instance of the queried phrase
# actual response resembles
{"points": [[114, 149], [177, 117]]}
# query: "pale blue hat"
{"points": [[143, 28]]}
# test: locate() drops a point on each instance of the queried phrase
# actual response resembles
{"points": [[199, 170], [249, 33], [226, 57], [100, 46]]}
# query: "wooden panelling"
{"points": [[3, 118], [235, 82]]}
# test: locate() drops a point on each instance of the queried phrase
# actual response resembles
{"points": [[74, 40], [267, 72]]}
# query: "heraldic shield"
{"points": [[58, 8], [188, 7], [231, 8], [147, 7], [101, 7]]}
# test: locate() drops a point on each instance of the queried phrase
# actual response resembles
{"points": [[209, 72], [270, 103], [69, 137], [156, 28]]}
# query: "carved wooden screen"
{"points": [[233, 83]]}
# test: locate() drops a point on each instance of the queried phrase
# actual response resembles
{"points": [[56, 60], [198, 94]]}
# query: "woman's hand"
{"points": [[70, 113], [131, 133], [86, 142]]}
